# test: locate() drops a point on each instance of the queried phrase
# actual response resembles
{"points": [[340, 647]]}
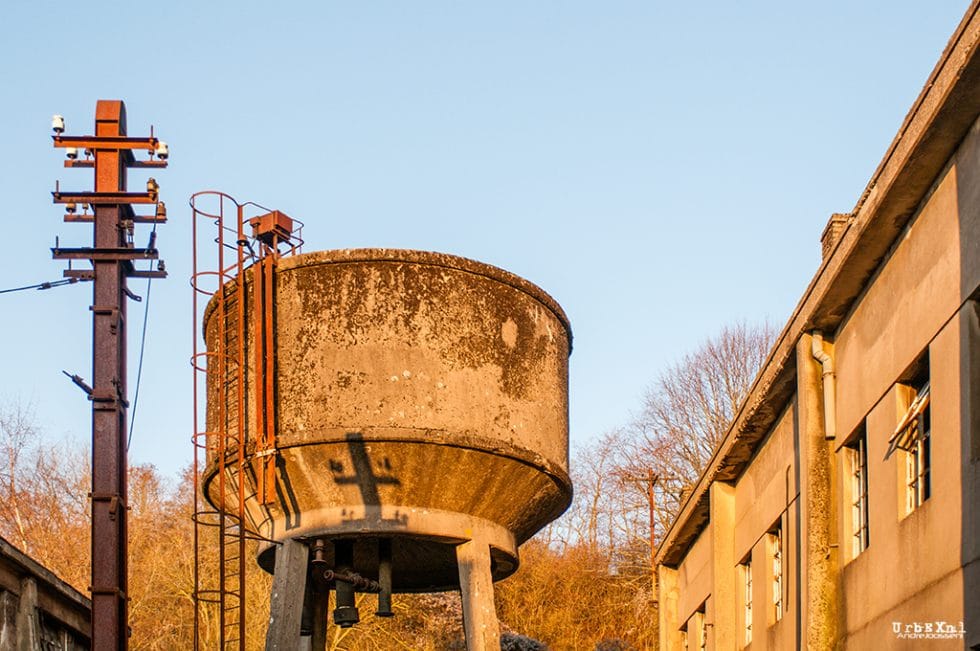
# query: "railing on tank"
{"points": [[239, 468]]}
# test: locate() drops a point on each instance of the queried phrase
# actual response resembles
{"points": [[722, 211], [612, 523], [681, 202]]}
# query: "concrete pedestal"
{"points": [[290, 591], [476, 586]]}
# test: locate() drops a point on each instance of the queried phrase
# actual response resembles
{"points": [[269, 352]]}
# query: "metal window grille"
{"points": [[747, 600], [776, 538], [917, 467], [859, 495]]}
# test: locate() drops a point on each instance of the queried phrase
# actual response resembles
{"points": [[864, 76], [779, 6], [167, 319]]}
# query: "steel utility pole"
{"points": [[112, 254]]}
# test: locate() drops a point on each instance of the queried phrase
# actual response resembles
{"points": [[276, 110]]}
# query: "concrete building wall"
{"points": [[694, 577], [911, 314], [914, 293], [914, 312], [709, 580], [764, 497], [764, 491]]}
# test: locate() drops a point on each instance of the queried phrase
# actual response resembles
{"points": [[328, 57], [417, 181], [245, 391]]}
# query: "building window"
{"points": [[745, 569], [918, 460], [694, 632], [857, 450], [702, 630], [912, 436], [776, 546]]}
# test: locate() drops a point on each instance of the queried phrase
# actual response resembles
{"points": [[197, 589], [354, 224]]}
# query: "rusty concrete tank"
{"points": [[421, 398]]}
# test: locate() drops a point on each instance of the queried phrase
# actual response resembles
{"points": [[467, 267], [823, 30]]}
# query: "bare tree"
{"points": [[690, 406], [17, 432]]}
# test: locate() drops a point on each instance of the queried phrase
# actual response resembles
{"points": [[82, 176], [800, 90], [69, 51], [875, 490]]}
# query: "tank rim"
{"points": [[433, 259], [421, 436], [429, 258]]}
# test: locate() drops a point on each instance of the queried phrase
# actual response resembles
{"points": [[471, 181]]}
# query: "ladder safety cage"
{"points": [[236, 452]]}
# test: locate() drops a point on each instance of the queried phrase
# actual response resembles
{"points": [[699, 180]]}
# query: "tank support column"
{"points": [[476, 587], [288, 591]]}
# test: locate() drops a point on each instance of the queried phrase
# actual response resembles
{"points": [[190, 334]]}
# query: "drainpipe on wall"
{"points": [[819, 614], [829, 386]]}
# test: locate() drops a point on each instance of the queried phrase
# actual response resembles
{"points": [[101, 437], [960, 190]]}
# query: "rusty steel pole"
{"points": [[110, 153]]}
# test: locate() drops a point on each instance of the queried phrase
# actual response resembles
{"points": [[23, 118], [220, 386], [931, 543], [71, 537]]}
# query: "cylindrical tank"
{"points": [[420, 397]]}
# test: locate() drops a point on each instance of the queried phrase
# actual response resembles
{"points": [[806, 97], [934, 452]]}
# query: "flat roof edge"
{"points": [[30, 566]]}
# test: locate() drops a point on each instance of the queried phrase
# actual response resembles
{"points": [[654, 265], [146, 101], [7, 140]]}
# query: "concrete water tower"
{"points": [[405, 425]]}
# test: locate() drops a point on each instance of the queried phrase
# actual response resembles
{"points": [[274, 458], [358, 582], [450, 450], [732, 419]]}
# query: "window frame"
{"points": [[918, 458], [702, 629], [745, 570], [918, 462], [913, 436], [857, 451], [777, 570]]}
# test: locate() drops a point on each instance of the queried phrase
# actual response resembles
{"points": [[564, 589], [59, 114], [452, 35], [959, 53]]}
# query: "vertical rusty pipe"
{"points": [[321, 597], [222, 420], [345, 614], [240, 244]]}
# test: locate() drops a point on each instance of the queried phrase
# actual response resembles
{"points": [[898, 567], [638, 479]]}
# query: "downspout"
{"points": [[829, 385]]}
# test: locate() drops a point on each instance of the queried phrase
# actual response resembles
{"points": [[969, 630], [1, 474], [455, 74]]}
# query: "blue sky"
{"points": [[661, 169]]}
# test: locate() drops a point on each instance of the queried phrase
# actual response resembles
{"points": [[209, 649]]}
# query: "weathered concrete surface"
{"points": [[819, 567], [695, 577], [421, 397], [668, 628], [764, 497], [476, 585], [286, 604], [720, 614]]}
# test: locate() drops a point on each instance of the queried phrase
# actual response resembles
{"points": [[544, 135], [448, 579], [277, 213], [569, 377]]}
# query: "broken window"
{"points": [[914, 425], [912, 437]]}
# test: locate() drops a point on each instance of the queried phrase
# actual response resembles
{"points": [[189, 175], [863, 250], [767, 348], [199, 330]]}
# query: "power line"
{"points": [[45, 285], [139, 367]]}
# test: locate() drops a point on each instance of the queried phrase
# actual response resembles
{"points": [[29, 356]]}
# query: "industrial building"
{"points": [[841, 508], [37, 609]]}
